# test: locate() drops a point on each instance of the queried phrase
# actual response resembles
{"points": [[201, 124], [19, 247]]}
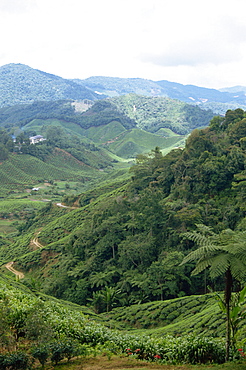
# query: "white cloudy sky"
{"points": [[185, 41]]}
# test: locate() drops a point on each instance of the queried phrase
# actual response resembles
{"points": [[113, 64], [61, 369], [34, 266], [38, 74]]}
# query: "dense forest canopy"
{"points": [[124, 245], [131, 110]]}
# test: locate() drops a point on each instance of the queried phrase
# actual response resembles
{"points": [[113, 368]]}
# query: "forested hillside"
{"points": [[118, 250], [154, 114], [148, 113], [115, 128], [21, 84], [115, 86], [126, 242]]}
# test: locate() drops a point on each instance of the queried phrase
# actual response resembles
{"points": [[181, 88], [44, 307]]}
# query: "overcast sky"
{"points": [[186, 41]]}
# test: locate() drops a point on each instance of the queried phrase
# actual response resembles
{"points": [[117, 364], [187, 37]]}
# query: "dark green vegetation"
{"points": [[124, 245], [113, 249], [120, 251], [131, 111], [39, 327]]}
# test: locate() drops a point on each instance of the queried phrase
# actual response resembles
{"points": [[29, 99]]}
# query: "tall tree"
{"points": [[3, 153], [224, 254]]}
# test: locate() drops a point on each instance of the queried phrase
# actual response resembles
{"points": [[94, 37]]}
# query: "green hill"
{"points": [[148, 113], [154, 113], [26, 171], [115, 86], [20, 84], [130, 143], [123, 127], [117, 248], [129, 236], [105, 133], [198, 314], [131, 111]]}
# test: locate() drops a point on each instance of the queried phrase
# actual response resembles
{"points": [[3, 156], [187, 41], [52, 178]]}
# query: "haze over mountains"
{"points": [[20, 84]]}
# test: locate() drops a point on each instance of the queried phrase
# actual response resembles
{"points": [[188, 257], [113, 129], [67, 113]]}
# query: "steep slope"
{"points": [[155, 113], [21, 84], [20, 171], [129, 237]]}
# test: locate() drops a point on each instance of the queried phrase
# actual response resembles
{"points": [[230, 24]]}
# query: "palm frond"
{"points": [[238, 268], [235, 247], [219, 265], [197, 238], [202, 265], [205, 230], [200, 253]]}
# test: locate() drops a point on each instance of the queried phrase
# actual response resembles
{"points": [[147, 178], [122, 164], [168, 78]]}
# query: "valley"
{"points": [[118, 231]]}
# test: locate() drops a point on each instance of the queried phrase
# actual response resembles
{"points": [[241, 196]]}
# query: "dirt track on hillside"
{"points": [[19, 274]]}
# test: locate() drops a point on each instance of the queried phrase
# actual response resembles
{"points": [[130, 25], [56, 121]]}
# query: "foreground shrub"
{"points": [[189, 349], [200, 350], [65, 349], [15, 361], [41, 353]]}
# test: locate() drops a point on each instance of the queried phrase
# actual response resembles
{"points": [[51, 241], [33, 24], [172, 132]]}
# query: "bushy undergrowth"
{"points": [[56, 332]]}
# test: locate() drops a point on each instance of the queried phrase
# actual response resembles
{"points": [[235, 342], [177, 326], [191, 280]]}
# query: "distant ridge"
{"points": [[21, 84]]}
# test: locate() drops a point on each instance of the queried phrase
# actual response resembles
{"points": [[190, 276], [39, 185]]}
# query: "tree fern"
{"points": [[224, 254], [202, 252], [219, 265]]}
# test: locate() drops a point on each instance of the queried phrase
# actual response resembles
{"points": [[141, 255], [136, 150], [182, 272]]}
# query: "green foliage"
{"points": [[152, 114], [41, 353], [75, 334], [62, 349], [3, 153], [127, 238], [22, 84], [225, 254], [15, 361], [136, 229], [200, 350]]}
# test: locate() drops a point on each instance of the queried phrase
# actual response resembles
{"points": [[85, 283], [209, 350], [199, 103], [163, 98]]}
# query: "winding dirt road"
{"points": [[9, 265], [19, 274], [35, 242]]}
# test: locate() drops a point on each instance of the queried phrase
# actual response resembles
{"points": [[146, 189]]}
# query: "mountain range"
{"points": [[20, 84]]}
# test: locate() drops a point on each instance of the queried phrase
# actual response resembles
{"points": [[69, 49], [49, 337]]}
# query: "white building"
{"points": [[36, 139]]}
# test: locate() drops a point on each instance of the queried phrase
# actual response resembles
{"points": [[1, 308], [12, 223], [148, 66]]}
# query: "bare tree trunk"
{"points": [[228, 290]]}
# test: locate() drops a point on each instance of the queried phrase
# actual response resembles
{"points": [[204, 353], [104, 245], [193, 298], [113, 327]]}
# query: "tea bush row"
{"points": [[53, 321]]}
